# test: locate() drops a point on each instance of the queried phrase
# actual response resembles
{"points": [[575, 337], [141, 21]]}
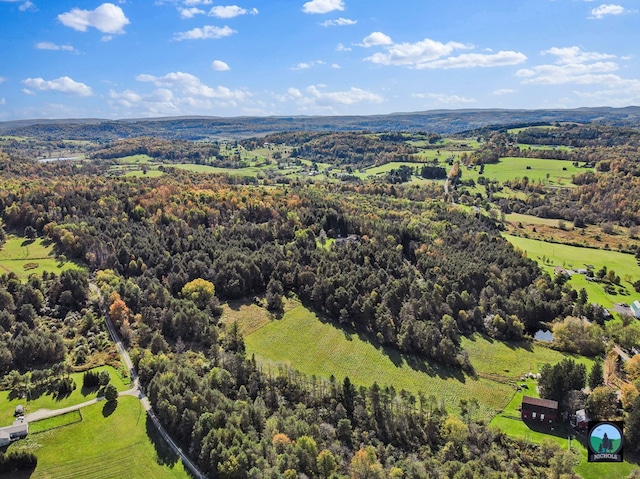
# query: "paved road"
{"points": [[47, 413], [136, 390], [625, 357]]}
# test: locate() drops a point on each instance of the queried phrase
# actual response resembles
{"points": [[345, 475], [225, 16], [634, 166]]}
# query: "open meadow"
{"points": [[24, 257], [548, 172], [106, 443], [39, 399], [318, 348], [549, 255]]}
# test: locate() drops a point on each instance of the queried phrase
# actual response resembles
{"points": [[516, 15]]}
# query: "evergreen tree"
{"points": [[596, 376]]}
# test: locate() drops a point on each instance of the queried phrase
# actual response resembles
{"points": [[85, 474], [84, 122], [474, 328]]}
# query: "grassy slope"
{"points": [[101, 447], [19, 251], [47, 401], [573, 256], [513, 167], [318, 348], [509, 422]]}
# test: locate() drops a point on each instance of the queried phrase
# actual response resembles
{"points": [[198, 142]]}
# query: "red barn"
{"points": [[539, 410]]}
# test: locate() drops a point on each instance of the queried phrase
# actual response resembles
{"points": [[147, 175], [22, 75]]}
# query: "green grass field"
{"points": [[55, 422], [250, 171], [534, 220], [383, 169], [625, 265], [47, 401], [510, 168], [103, 445], [318, 348], [25, 257], [142, 174], [513, 359], [509, 422]]}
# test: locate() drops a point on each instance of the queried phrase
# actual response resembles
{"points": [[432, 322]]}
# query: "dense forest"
{"points": [[396, 263]]}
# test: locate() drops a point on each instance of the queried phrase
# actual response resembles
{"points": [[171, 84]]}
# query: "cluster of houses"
{"points": [[18, 430]]}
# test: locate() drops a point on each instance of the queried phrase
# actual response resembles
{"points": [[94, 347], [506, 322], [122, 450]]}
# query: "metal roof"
{"points": [[546, 403]]}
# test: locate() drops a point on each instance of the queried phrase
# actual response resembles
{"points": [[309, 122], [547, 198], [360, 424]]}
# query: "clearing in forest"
{"points": [[550, 255], [107, 443], [24, 257], [318, 348]]}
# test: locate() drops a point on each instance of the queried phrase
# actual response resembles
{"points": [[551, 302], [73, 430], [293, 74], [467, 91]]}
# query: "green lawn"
{"points": [[47, 401], [105, 444], [25, 257], [55, 422], [534, 220], [319, 348], [383, 169], [510, 168], [142, 174], [509, 422], [513, 359], [625, 265]]}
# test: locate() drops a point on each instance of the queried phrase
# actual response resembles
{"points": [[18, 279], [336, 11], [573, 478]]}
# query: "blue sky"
{"points": [[134, 58]]}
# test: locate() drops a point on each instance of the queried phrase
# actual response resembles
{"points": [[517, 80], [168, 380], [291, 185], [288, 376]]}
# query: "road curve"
{"points": [[137, 390]]}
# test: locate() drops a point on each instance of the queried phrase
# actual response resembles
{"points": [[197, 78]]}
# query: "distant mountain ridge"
{"points": [[203, 128]]}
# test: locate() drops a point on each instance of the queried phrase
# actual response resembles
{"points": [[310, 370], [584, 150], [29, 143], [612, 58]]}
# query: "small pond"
{"points": [[543, 335]]}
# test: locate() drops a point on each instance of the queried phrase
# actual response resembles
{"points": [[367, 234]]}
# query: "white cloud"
{"points": [[191, 86], [107, 18], [433, 54], [190, 12], [314, 97], [206, 32], [504, 91], [307, 65], [572, 65], [3, 101], [335, 66], [176, 93], [415, 54], [230, 11], [26, 5], [197, 2], [2, 80], [220, 66], [570, 55], [322, 6], [607, 9], [53, 46], [376, 38], [338, 22], [476, 60], [301, 66], [342, 48], [62, 84]]}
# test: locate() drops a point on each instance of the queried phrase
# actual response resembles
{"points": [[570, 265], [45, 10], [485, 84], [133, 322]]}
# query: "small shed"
{"points": [[581, 422], [635, 309], [539, 410]]}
